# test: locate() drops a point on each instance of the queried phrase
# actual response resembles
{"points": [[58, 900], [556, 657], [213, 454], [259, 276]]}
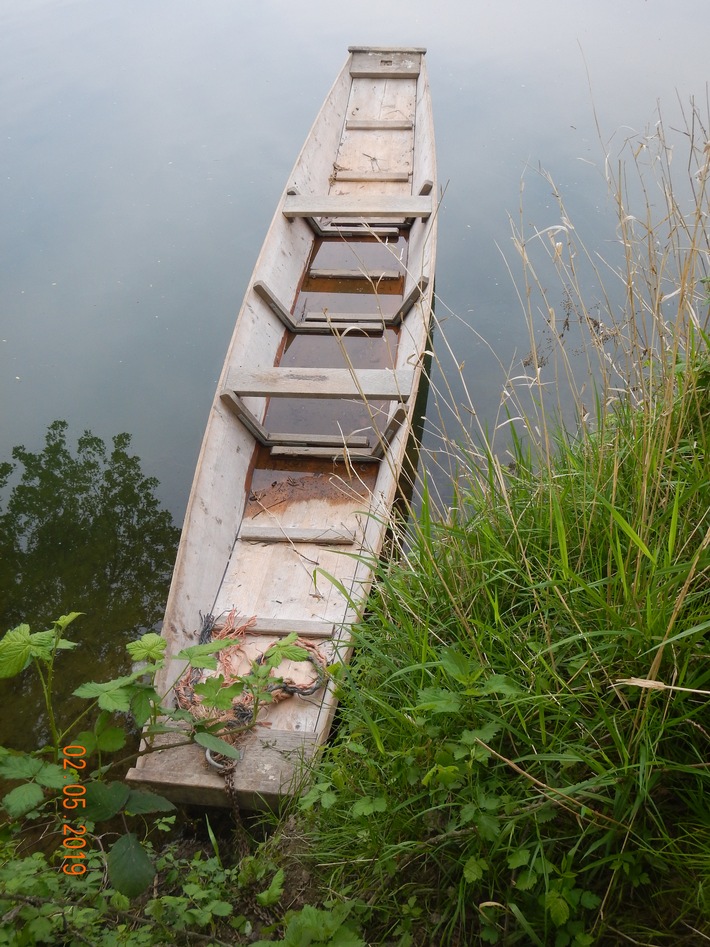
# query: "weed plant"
{"points": [[522, 755]]}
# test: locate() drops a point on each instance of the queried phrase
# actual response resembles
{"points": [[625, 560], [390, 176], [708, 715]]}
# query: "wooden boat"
{"points": [[306, 437]]}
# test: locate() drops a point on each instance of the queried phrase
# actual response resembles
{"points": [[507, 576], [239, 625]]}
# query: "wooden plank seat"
{"points": [[380, 207], [379, 124], [378, 177], [252, 532], [370, 384], [376, 63], [370, 323], [323, 322], [375, 274], [308, 628], [354, 454]]}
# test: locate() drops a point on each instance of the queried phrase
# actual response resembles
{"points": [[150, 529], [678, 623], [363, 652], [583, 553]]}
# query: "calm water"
{"points": [[144, 145]]}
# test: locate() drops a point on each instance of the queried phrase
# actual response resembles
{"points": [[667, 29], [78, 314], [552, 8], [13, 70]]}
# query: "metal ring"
{"points": [[220, 767]]}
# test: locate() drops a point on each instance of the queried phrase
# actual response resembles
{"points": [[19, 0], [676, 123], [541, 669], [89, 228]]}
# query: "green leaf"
{"points": [[111, 739], [474, 869], [460, 666], [148, 648], [130, 870], [285, 652], [220, 908], [87, 739], [590, 900], [20, 767], [15, 651], [104, 800], [211, 742], [438, 700], [328, 800], [113, 695], [518, 859], [142, 702], [488, 826], [54, 776], [485, 734], [628, 529], [526, 880], [199, 655], [367, 805], [140, 802], [272, 894], [42, 644], [215, 695], [65, 645], [65, 620], [500, 684], [22, 799], [557, 908]]}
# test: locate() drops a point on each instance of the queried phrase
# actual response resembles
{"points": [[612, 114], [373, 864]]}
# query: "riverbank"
{"points": [[522, 756]]}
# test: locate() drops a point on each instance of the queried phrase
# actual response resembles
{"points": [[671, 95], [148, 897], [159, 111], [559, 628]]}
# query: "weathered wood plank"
{"points": [[235, 404], [323, 453], [353, 318], [372, 384], [317, 440], [379, 124], [373, 274], [370, 177], [272, 760], [286, 626], [274, 304], [321, 326], [370, 64], [268, 439], [413, 297], [385, 439], [321, 535], [381, 206], [409, 50]]}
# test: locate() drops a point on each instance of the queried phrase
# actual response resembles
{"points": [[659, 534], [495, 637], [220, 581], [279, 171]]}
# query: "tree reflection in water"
{"points": [[84, 532]]}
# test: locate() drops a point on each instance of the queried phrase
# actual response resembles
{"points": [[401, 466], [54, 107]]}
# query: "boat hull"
{"points": [[306, 438]]}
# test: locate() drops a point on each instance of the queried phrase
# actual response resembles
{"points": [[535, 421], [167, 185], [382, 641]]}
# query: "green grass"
{"points": [[522, 755]]}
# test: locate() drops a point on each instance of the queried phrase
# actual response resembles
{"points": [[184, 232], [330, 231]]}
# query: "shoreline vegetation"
{"points": [[523, 733]]}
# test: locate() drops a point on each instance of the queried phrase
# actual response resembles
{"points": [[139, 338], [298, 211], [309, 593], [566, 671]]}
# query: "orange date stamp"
{"points": [[73, 798]]}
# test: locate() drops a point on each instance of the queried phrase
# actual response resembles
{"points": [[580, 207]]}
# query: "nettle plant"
{"points": [[68, 780]]}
